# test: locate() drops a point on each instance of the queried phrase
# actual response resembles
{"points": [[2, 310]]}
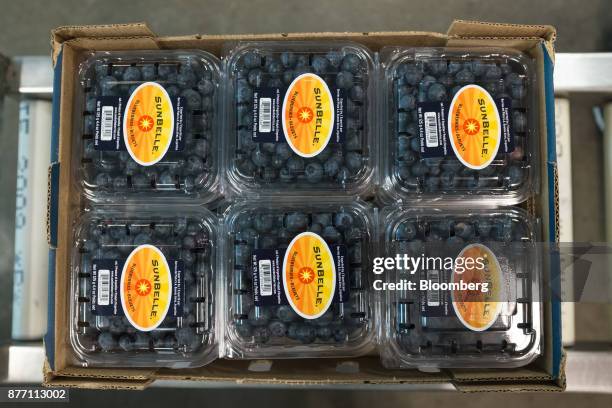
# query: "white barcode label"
{"points": [[265, 277], [103, 287], [433, 296], [106, 124], [431, 129], [265, 115]]}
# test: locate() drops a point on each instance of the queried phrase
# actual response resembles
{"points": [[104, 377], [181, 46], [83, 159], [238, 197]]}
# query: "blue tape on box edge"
{"points": [[53, 209], [555, 263]]}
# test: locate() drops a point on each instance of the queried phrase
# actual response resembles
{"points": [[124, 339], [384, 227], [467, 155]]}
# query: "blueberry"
{"points": [[464, 77], [406, 231], [107, 85], [288, 59], [332, 166], [277, 329], [464, 230], [194, 164], [185, 336], [518, 91], [260, 158], [244, 93], [344, 80], [295, 165], [263, 223], [256, 77], [193, 100], [286, 314], [126, 343], [166, 70], [353, 161], [324, 219], [251, 60], [331, 234], [334, 58], [351, 63], [283, 150], [339, 333], [419, 169], [274, 67], [261, 335], [436, 92], [132, 74], [343, 220], [407, 102], [243, 328], [324, 333], [483, 227], [313, 172], [186, 79], [448, 179], [413, 75], [514, 175], [296, 221], [357, 93], [320, 64], [205, 87], [437, 67], [306, 334], [106, 341], [493, 72]]}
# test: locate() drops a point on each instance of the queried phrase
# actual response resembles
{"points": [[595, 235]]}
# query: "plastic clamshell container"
{"points": [[438, 145], [429, 327], [147, 126], [260, 231], [300, 118], [120, 288]]}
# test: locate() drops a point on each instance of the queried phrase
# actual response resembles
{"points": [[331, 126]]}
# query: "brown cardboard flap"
{"points": [[472, 29], [373, 40], [65, 33], [305, 371]]}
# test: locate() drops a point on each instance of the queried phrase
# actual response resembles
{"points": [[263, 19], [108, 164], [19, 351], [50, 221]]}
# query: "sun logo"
{"points": [[145, 123], [143, 287], [306, 275], [471, 127], [305, 114]]}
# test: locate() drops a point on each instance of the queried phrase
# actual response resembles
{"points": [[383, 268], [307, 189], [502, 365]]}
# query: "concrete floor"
{"points": [[584, 25]]}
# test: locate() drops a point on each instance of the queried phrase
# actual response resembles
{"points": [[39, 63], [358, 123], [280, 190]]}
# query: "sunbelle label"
{"points": [[474, 127], [147, 123], [308, 115], [145, 287], [308, 275]]}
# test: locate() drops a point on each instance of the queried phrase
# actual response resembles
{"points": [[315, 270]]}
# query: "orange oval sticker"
{"points": [[474, 127], [308, 115], [148, 123], [478, 310], [309, 275], [146, 287]]}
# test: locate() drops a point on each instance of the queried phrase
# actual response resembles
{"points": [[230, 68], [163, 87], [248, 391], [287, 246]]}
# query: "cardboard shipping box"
{"points": [[69, 45]]}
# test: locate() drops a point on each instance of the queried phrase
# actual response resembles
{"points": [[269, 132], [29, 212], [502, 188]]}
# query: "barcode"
{"points": [[265, 115], [433, 296], [431, 129], [106, 125], [103, 287], [265, 277]]}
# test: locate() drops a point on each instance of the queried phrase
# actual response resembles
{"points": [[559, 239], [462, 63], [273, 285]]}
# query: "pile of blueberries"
{"points": [[438, 80], [276, 163], [280, 325], [183, 239], [419, 235], [190, 169]]}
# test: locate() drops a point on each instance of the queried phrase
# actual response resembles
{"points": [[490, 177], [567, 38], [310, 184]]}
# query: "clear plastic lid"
{"points": [[143, 288], [491, 317], [460, 125], [147, 125], [300, 118], [297, 279]]}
